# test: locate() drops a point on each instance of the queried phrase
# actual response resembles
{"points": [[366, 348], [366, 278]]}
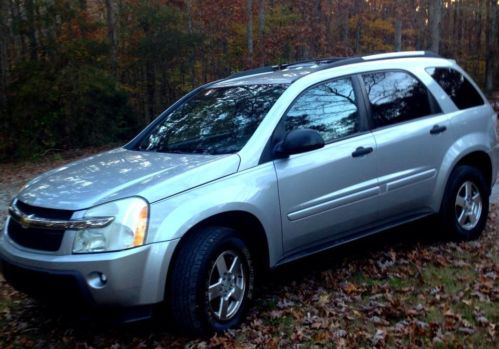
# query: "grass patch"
{"points": [[448, 277], [4, 304], [399, 283], [434, 314], [360, 278], [491, 312]]}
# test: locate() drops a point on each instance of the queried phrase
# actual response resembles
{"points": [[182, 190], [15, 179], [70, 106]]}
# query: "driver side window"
{"points": [[329, 108]]}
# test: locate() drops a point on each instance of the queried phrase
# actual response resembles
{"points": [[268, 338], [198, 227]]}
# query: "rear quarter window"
{"points": [[459, 89]]}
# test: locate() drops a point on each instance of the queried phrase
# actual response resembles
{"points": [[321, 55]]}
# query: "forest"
{"points": [[77, 73]]}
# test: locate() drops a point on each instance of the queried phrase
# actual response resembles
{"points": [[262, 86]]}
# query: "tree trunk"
{"points": [[455, 24], [475, 40], [492, 49], [358, 28], [150, 74], [188, 5], [358, 32], [316, 26], [419, 26], [435, 17], [111, 34], [20, 51], [261, 18], [249, 30], [460, 28], [30, 16], [4, 64], [190, 30], [398, 33], [261, 30], [345, 26], [329, 25]]}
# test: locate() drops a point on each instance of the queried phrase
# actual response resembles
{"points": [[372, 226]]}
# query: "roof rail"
{"points": [[282, 66], [318, 61], [403, 54], [332, 62], [381, 56], [254, 71]]}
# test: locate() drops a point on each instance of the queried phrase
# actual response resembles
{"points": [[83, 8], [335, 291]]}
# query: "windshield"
{"points": [[214, 121]]}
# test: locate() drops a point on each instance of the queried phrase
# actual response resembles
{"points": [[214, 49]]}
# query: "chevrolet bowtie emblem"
{"points": [[24, 221]]}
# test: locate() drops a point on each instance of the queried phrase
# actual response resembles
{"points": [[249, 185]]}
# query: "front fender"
{"points": [[253, 191]]}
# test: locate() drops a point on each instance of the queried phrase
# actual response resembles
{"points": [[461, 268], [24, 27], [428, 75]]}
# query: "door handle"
{"points": [[361, 151], [437, 129]]}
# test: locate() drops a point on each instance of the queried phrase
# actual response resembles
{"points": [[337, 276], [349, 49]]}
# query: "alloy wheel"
{"points": [[227, 285], [468, 205]]}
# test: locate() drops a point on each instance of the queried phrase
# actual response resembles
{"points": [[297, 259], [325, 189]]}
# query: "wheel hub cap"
{"points": [[227, 285], [468, 205]]}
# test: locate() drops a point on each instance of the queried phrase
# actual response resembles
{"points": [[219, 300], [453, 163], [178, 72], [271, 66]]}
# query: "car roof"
{"points": [[288, 73]]}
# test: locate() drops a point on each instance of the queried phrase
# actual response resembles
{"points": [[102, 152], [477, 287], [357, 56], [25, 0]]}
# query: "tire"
{"points": [[465, 205], [208, 259]]}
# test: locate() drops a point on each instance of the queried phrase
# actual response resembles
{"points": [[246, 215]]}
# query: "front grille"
{"points": [[36, 238], [43, 212]]}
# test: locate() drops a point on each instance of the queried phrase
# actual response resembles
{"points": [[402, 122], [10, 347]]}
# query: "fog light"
{"points": [[97, 279]]}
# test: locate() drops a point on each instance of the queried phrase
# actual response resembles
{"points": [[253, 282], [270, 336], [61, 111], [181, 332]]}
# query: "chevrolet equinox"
{"points": [[253, 171]]}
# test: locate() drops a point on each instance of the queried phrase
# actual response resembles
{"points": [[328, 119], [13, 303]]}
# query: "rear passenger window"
{"points": [[396, 96], [459, 89], [329, 108]]}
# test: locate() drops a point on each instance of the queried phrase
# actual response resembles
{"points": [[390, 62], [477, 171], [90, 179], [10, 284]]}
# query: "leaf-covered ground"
{"points": [[405, 288]]}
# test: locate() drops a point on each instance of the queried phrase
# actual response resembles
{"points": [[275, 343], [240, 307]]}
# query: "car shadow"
{"points": [[423, 232]]}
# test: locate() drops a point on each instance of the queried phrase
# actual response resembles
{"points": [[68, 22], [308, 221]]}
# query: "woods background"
{"points": [[75, 73]]}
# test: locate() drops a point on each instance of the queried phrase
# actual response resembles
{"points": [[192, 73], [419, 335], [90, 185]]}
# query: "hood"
{"points": [[123, 173]]}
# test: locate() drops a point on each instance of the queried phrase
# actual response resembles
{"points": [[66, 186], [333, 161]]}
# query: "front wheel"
{"points": [[211, 282], [465, 205]]}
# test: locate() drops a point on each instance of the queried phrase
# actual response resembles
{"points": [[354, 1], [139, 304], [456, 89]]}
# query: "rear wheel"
{"points": [[466, 204], [211, 282]]}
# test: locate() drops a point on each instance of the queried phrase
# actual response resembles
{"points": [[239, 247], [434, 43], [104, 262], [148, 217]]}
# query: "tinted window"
{"points": [[214, 121], [459, 89], [328, 108], [396, 97]]}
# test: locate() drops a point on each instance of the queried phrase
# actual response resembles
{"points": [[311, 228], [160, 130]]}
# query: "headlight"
{"points": [[127, 230]]}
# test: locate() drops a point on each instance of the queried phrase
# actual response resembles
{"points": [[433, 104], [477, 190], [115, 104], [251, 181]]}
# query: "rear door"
{"points": [[412, 138], [330, 192]]}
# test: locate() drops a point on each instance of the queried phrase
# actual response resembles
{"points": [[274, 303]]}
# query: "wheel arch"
{"points": [[480, 160], [247, 224], [477, 157]]}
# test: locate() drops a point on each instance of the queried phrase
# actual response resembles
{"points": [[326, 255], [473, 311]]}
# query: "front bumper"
{"points": [[125, 278], [67, 286]]}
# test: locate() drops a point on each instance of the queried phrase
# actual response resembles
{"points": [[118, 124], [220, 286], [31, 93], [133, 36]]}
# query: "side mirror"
{"points": [[299, 141]]}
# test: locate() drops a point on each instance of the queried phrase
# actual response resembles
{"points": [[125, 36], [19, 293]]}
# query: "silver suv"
{"points": [[253, 171]]}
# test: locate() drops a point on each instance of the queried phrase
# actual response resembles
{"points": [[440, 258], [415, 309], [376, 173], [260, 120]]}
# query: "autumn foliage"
{"points": [[90, 72]]}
